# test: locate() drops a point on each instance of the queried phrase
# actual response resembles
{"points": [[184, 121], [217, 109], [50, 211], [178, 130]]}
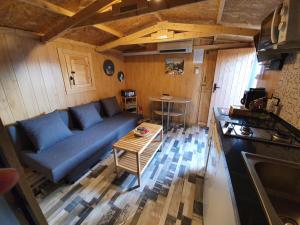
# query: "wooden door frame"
{"points": [[205, 73]]}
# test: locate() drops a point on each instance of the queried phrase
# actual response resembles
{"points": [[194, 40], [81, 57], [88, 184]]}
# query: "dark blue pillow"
{"points": [[111, 106], [66, 116], [19, 138], [86, 115], [45, 130], [99, 108]]}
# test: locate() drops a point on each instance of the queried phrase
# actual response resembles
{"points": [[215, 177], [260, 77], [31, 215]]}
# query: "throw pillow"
{"points": [[45, 130], [98, 107], [111, 106], [86, 115]]}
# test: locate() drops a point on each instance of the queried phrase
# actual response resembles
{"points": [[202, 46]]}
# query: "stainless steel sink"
{"points": [[278, 184]]}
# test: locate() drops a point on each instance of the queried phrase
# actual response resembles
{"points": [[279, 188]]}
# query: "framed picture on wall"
{"points": [[174, 66]]}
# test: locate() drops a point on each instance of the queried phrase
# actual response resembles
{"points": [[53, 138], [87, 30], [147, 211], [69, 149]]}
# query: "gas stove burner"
{"points": [[245, 130], [281, 136], [288, 221], [277, 135]]}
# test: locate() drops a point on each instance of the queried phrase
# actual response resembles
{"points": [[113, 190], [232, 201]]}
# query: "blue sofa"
{"points": [[72, 157]]}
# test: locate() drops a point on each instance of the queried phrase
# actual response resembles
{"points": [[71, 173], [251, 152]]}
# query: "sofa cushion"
{"points": [[86, 115], [111, 106], [63, 157], [45, 130], [19, 138], [99, 108], [65, 115]]}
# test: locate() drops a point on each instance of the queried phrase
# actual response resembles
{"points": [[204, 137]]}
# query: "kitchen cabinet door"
{"points": [[77, 71], [219, 206]]}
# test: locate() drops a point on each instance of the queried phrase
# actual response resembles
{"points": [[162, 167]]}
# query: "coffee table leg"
{"points": [[138, 161], [116, 161]]}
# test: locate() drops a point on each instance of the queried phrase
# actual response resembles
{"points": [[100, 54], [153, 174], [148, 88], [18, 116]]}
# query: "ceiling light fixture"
{"points": [[162, 37]]}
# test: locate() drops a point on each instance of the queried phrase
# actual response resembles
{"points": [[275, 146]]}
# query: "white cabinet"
{"points": [[219, 204]]}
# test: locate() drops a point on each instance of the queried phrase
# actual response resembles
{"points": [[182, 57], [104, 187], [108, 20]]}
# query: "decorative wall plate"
{"points": [[121, 76], [108, 67]]}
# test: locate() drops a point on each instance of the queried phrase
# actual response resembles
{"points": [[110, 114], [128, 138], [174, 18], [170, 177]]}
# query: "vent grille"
{"points": [[173, 51]]}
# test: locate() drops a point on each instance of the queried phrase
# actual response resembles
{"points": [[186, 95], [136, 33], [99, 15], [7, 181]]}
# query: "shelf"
{"points": [[173, 114], [130, 106], [128, 160]]}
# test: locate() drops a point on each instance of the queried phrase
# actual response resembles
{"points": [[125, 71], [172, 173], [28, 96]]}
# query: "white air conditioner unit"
{"points": [[167, 48], [175, 47]]}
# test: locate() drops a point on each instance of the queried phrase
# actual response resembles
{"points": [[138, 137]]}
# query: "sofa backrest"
{"points": [[22, 142], [99, 108], [67, 118], [19, 137]]}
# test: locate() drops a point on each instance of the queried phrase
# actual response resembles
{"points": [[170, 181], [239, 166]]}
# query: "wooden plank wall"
{"points": [[232, 75], [146, 75], [208, 74], [31, 82]]}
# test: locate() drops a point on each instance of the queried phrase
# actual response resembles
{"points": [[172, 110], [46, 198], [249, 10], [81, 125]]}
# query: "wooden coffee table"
{"points": [[133, 154]]}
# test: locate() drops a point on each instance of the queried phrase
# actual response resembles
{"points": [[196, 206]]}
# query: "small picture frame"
{"points": [[174, 66]]}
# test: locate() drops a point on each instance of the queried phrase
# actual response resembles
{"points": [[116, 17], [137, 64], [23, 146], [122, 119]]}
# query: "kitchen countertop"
{"points": [[248, 204]]}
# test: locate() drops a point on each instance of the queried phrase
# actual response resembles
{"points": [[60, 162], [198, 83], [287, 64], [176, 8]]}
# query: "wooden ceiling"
{"points": [[44, 16], [248, 12]]}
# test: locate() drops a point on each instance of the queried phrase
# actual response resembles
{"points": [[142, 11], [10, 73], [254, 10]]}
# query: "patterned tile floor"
{"points": [[171, 190]]}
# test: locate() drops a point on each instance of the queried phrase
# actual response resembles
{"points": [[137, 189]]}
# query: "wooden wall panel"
{"points": [[146, 75], [31, 81], [232, 75], [10, 85], [208, 74], [15, 54]]}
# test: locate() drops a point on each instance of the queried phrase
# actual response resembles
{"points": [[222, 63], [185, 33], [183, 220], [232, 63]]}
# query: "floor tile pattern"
{"points": [[170, 194]]}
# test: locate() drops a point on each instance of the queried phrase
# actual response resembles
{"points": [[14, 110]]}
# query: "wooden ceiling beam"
{"points": [[158, 16], [46, 5], [225, 46], [175, 37], [127, 39], [62, 11], [162, 30], [77, 18], [205, 28], [154, 6], [220, 11], [108, 7], [110, 30], [220, 14], [42, 4]]}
